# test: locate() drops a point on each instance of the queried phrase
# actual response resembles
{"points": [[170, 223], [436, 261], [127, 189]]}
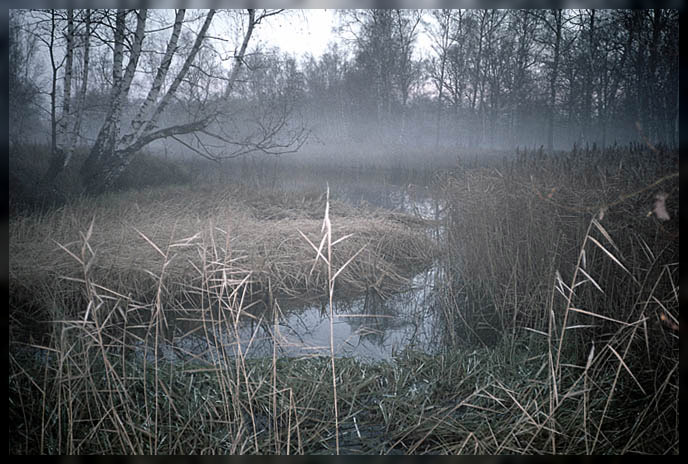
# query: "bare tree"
{"points": [[65, 132], [24, 93], [440, 31], [523, 62], [189, 97], [383, 47], [553, 21]]}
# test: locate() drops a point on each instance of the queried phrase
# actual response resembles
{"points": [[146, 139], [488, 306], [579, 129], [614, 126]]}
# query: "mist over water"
{"points": [[437, 231]]}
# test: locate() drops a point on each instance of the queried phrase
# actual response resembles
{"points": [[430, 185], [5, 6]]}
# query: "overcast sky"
{"points": [[311, 30], [300, 31]]}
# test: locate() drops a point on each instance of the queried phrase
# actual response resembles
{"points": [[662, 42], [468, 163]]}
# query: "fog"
{"points": [[388, 81], [432, 231]]}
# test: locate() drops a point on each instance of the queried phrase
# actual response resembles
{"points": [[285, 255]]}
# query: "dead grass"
{"points": [[259, 232], [573, 252], [573, 283]]}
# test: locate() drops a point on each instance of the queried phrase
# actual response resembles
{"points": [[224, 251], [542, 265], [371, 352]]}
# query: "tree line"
{"points": [[116, 81], [504, 78]]}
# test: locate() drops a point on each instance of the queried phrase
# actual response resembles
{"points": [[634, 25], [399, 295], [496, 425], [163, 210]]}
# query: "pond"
{"points": [[367, 327]]}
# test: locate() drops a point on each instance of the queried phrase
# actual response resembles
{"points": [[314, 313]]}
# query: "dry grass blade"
{"points": [[318, 250], [623, 363], [608, 253], [66, 250], [347, 262], [605, 234], [590, 279], [600, 316], [150, 242]]}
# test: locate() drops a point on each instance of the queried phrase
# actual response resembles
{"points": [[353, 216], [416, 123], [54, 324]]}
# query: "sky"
{"points": [[311, 30], [300, 31]]}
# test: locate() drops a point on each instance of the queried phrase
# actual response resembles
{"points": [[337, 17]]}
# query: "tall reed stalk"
{"points": [[326, 240]]}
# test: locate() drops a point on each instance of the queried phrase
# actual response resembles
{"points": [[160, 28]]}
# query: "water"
{"points": [[367, 327]]}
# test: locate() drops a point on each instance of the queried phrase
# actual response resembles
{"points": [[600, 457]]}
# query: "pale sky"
{"points": [[300, 31], [311, 30]]}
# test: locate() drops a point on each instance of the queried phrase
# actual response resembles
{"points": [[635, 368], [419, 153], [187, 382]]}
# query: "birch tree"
{"points": [[119, 140]]}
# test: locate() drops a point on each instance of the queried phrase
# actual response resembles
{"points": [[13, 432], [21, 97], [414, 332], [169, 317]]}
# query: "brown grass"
{"points": [[560, 295], [571, 251], [261, 234]]}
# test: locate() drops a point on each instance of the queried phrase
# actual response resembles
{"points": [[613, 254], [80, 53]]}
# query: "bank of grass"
{"points": [[535, 277], [98, 288], [578, 254], [134, 235]]}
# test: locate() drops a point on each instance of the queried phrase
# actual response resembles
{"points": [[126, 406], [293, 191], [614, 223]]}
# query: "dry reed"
{"points": [[560, 295]]}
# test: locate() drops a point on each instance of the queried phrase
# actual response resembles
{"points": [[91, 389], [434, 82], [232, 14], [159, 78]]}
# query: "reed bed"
{"points": [[101, 288], [201, 229], [558, 290], [577, 253]]}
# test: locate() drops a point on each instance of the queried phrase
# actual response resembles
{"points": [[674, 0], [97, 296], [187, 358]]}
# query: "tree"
{"points": [[384, 71], [441, 32], [65, 132], [553, 22], [269, 90], [522, 82], [328, 105], [187, 95], [24, 93]]}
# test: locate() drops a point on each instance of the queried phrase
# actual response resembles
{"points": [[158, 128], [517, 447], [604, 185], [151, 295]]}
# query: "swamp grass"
{"points": [[559, 294], [578, 251], [194, 235]]}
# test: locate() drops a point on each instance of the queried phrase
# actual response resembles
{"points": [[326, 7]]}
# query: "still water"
{"points": [[367, 327]]}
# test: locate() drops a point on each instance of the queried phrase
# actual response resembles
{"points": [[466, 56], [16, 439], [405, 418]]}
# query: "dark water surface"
{"points": [[368, 327]]}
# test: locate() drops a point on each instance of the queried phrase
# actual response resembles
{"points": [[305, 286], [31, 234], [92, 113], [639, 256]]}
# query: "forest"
{"points": [[452, 231], [492, 79]]}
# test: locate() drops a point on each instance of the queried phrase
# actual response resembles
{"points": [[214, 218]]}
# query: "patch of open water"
{"points": [[368, 327]]}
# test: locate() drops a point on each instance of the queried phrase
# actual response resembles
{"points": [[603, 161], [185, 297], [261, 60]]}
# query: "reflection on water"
{"points": [[369, 328]]}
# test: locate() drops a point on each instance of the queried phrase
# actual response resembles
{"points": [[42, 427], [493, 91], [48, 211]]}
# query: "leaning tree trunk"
{"points": [[104, 145], [94, 171], [111, 154]]}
